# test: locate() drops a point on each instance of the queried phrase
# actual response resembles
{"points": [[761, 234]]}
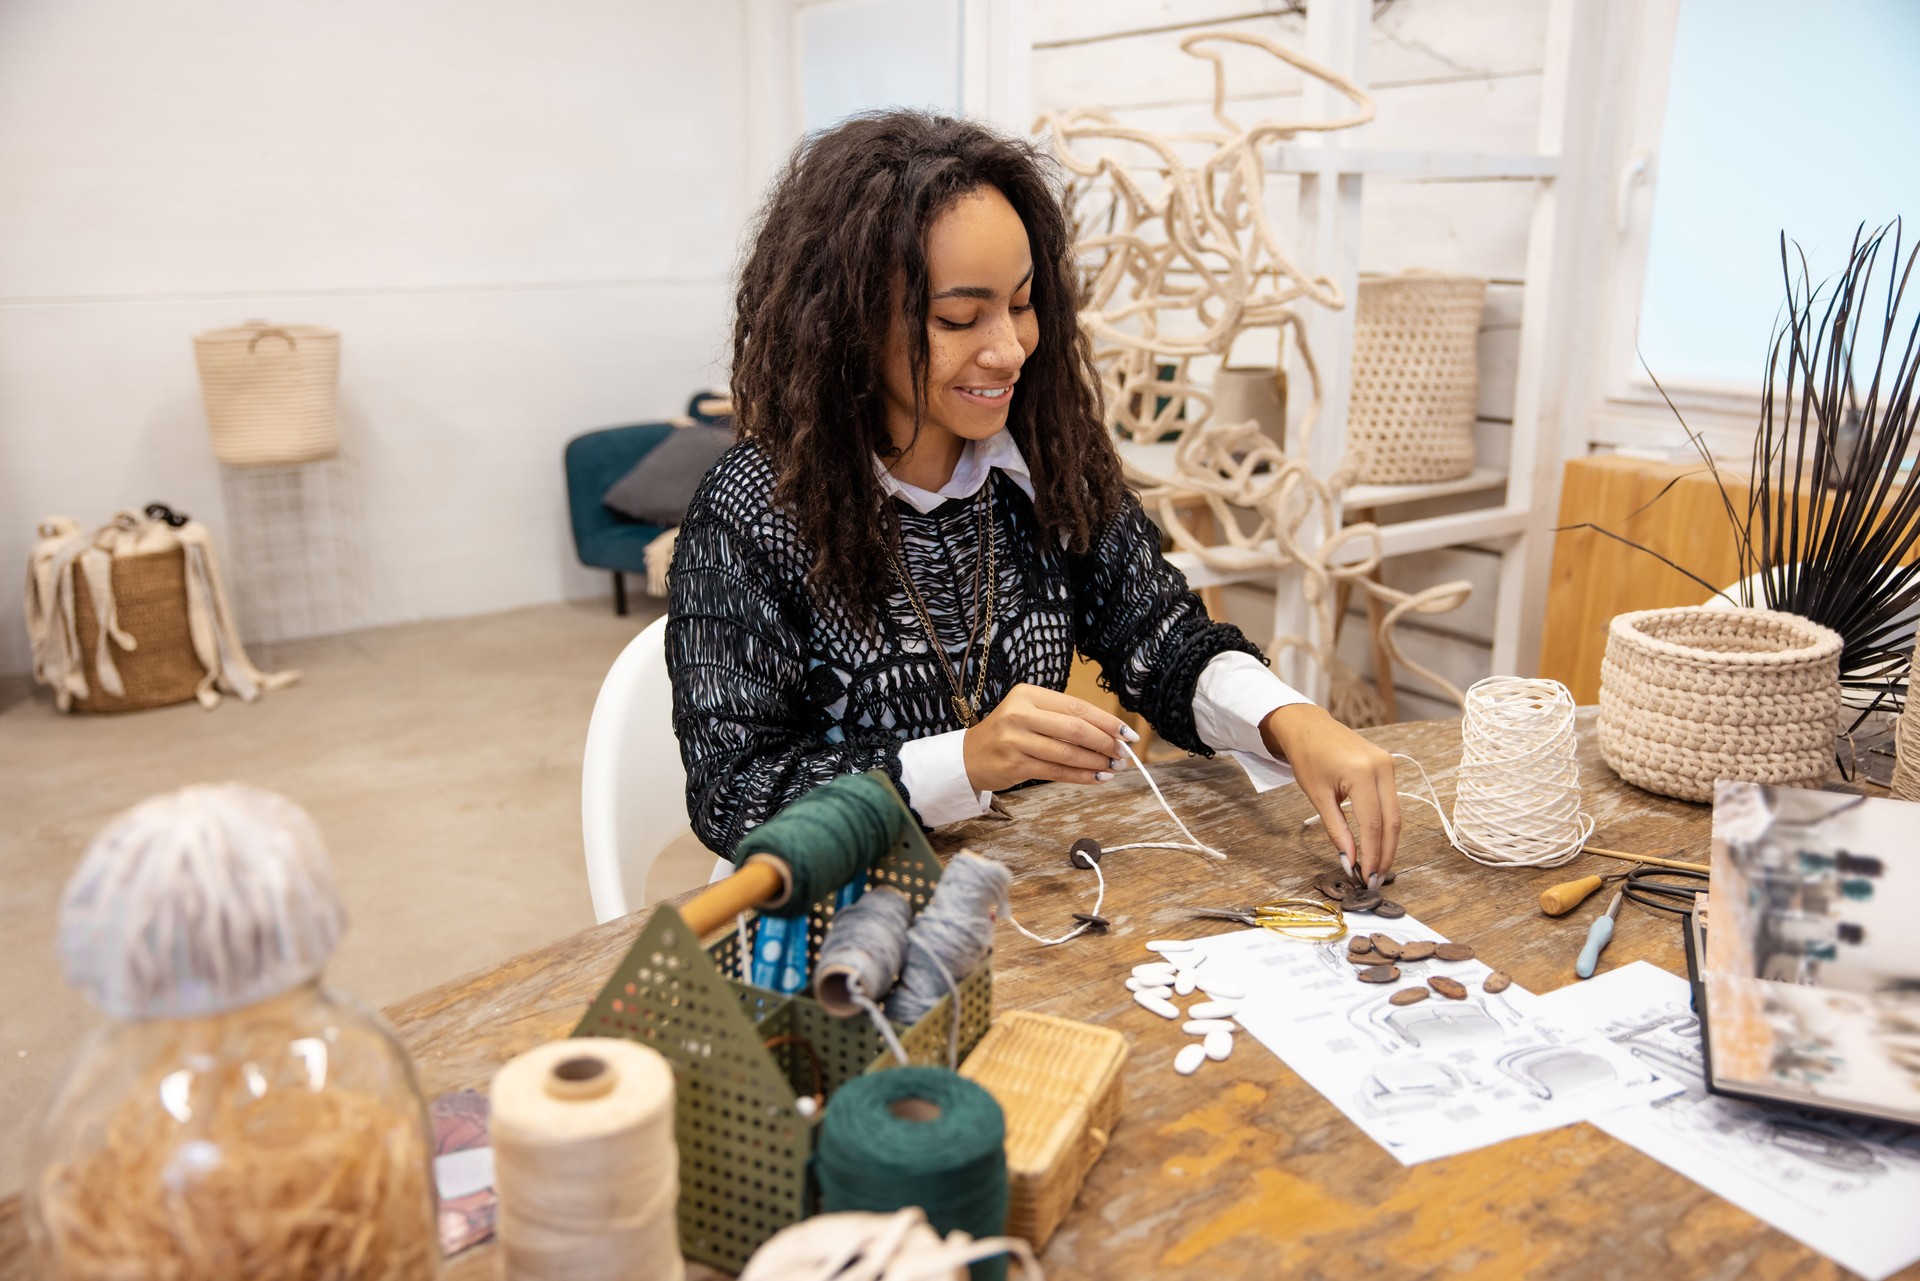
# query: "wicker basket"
{"points": [[1058, 1082], [270, 392], [1689, 696], [150, 604], [1416, 380]]}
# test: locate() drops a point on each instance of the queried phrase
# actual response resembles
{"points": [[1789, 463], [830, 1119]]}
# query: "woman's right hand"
{"points": [[1038, 733]]}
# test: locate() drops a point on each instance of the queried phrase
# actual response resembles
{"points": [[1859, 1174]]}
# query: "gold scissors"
{"points": [[1298, 918]]}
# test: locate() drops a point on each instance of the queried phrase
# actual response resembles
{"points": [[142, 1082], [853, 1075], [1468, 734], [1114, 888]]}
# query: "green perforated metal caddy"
{"points": [[743, 1143]]}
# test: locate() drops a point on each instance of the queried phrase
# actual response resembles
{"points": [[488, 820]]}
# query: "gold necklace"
{"points": [[967, 709]]}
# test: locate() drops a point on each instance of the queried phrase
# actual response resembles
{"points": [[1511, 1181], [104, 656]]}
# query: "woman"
{"points": [[925, 517]]}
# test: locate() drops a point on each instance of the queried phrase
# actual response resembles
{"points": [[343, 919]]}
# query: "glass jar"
{"points": [[287, 1138]]}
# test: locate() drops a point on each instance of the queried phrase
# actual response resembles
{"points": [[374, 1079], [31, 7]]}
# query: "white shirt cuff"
{"points": [[1234, 694], [933, 770]]}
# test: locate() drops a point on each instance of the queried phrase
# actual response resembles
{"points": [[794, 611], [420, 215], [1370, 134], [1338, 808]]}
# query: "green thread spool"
{"points": [[828, 837], [920, 1136]]}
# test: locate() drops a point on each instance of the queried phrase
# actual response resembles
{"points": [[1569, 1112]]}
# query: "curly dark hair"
{"points": [[846, 223]]}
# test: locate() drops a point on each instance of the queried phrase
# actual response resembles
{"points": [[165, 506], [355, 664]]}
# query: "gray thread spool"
{"points": [[863, 952], [951, 937]]}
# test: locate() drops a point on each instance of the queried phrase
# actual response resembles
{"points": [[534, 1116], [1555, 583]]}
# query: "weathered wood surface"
{"points": [[1243, 1169]]}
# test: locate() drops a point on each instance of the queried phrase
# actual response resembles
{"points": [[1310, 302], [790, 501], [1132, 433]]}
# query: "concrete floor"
{"points": [[440, 760]]}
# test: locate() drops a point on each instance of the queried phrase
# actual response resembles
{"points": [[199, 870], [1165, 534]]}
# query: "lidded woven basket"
{"points": [[270, 392], [1692, 695], [1416, 378]]}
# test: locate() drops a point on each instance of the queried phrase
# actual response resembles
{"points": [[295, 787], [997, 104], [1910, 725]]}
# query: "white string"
{"points": [[1192, 843], [1516, 798]]}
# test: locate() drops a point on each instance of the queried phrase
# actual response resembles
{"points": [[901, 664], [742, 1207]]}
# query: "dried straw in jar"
{"points": [[318, 1185]]}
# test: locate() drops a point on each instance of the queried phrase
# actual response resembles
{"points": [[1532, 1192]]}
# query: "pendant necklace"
{"points": [[967, 709]]}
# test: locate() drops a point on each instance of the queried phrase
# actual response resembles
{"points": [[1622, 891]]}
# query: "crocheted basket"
{"points": [[1416, 378], [1689, 696], [1905, 785], [150, 602], [270, 392]]}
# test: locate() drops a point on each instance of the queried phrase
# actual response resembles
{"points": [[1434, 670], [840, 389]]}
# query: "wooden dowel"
{"points": [[1649, 859], [760, 881]]}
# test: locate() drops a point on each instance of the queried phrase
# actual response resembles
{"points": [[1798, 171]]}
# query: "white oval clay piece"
{"points": [[1184, 983], [1224, 990], [1206, 1027], [1212, 1009], [1150, 985], [1156, 970], [1158, 1004], [1170, 945], [1188, 1061], [1218, 1045]]}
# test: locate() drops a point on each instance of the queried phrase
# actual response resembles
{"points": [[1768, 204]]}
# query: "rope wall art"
{"points": [[1179, 260]]}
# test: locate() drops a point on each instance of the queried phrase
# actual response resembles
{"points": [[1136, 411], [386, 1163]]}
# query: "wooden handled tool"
{"points": [[762, 880], [1648, 859], [1564, 897]]}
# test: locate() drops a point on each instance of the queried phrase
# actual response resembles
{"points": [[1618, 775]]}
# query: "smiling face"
{"points": [[981, 328]]}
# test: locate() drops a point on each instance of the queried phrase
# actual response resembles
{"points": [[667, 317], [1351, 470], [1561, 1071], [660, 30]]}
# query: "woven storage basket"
{"points": [[1058, 1081], [150, 602], [1905, 784], [270, 392], [1416, 379], [1689, 696]]}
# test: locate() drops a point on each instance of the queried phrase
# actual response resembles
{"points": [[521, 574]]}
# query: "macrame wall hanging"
{"points": [[1186, 261]]}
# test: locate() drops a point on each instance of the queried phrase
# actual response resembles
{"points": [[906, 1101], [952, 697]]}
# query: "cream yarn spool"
{"points": [[585, 1164], [1516, 800]]}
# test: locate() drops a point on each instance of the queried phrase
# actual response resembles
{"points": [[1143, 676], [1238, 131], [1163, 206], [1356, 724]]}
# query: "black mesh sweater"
{"points": [[773, 694]]}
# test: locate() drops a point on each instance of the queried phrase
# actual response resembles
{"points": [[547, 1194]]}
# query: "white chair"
{"points": [[633, 788]]}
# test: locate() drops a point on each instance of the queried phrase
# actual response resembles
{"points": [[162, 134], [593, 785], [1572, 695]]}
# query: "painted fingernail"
{"points": [[1129, 733], [1373, 882], [1103, 777], [1114, 764], [1346, 865]]}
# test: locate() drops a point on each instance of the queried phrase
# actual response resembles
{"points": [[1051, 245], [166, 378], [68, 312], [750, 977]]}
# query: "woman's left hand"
{"points": [[1333, 764]]}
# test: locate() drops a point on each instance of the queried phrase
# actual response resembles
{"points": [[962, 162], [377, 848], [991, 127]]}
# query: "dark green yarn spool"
{"points": [[834, 833], [920, 1136]]}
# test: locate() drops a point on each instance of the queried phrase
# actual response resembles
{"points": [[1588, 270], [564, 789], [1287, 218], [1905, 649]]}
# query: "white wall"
{"points": [[1455, 75], [520, 217]]}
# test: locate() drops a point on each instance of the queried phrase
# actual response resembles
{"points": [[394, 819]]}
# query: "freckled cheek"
{"points": [[1029, 333]]}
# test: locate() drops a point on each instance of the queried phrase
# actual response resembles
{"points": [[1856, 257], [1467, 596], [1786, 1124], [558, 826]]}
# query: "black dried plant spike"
{"points": [[1831, 529]]}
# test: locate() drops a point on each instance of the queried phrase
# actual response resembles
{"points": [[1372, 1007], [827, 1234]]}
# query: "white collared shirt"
{"points": [[1234, 694]]}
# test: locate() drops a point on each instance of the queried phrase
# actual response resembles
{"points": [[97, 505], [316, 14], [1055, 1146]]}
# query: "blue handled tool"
{"points": [[1598, 936]]}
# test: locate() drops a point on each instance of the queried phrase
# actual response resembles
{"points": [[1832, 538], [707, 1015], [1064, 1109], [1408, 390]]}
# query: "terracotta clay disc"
{"points": [[1496, 982], [1389, 909], [1360, 943], [1418, 950], [1409, 996], [1332, 885], [1362, 900], [1387, 946], [1381, 974], [1453, 989], [1368, 957], [1454, 951]]}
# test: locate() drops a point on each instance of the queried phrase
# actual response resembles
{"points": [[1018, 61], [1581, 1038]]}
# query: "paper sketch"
{"points": [[1430, 1079], [1846, 1188]]}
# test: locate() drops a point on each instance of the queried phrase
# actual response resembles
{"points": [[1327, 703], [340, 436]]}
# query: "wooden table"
{"points": [[1243, 1170]]}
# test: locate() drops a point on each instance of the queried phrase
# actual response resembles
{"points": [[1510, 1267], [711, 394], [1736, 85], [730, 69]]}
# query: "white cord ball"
{"points": [[199, 901]]}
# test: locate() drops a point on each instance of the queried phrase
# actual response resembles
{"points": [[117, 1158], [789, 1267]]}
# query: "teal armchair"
{"points": [[603, 538]]}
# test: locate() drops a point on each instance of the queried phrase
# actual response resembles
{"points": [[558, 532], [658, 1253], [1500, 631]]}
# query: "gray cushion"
{"points": [[659, 487]]}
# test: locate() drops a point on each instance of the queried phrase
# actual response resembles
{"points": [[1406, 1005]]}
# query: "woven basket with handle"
{"points": [[1416, 378], [1689, 696], [150, 603], [270, 392]]}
